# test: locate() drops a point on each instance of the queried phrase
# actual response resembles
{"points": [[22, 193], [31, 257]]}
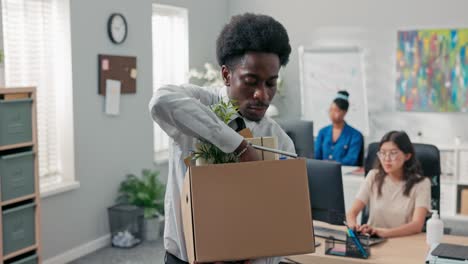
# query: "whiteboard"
{"points": [[323, 72]]}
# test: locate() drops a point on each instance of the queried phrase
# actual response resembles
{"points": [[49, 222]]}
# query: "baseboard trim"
{"points": [[80, 251]]}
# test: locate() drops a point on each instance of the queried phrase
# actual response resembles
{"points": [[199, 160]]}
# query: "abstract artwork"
{"points": [[432, 70]]}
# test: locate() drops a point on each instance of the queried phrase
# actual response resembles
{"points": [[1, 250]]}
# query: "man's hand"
{"points": [[246, 152], [249, 155]]}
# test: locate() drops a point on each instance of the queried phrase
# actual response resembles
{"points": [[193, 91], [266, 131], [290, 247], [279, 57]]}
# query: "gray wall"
{"points": [[106, 148], [372, 25]]}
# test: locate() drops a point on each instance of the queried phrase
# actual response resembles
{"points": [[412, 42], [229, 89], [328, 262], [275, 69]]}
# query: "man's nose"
{"points": [[261, 94]]}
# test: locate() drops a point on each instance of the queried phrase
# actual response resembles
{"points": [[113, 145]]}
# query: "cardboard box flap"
{"points": [[250, 210], [187, 220]]}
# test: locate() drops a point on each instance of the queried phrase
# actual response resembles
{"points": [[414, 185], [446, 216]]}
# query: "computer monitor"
{"points": [[326, 191], [302, 134]]}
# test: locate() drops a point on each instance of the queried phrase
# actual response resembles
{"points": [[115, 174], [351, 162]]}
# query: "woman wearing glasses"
{"points": [[339, 141], [397, 194]]}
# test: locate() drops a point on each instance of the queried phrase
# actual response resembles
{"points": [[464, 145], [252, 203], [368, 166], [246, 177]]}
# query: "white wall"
{"points": [[372, 25], [107, 148]]}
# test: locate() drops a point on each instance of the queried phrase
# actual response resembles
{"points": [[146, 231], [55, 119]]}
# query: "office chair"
{"points": [[302, 134], [429, 158], [360, 162]]}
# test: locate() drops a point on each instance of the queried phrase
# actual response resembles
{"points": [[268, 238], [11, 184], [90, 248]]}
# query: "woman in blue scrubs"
{"points": [[339, 141]]}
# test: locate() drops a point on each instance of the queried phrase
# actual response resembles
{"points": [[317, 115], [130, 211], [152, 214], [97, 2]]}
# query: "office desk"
{"points": [[407, 250]]}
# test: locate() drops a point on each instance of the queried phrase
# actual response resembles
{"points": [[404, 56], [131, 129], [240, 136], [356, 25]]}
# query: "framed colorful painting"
{"points": [[432, 70]]}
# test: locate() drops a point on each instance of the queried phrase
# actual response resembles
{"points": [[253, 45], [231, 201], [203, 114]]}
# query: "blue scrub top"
{"points": [[345, 150]]}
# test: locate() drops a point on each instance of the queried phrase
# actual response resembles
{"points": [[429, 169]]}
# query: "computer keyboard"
{"points": [[328, 232], [341, 235]]}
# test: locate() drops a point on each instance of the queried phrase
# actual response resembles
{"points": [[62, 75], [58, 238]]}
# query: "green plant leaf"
{"points": [[212, 154]]}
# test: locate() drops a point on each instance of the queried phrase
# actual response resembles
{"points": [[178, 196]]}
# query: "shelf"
{"points": [[452, 147], [452, 182], [19, 252], [28, 143], [20, 199], [458, 217], [10, 90], [19, 145]]}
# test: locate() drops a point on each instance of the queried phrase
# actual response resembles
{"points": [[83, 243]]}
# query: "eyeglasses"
{"points": [[392, 155]]}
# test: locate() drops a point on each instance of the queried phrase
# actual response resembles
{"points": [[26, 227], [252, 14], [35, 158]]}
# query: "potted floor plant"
{"points": [[146, 192]]}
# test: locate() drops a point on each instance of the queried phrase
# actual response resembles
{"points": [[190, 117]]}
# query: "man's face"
{"points": [[252, 83]]}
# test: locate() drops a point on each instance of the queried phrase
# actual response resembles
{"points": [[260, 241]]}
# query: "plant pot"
{"points": [[201, 161], [152, 228]]}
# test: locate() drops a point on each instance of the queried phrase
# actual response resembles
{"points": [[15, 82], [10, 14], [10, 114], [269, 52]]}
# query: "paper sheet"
{"points": [[112, 97]]}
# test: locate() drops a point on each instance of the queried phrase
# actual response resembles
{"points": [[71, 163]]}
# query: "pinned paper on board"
{"points": [[133, 73], [113, 88], [105, 64]]}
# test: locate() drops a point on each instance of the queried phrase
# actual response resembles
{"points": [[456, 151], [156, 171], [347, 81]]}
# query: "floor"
{"points": [[145, 253]]}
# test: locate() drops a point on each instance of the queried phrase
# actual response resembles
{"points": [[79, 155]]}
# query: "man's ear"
{"points": [[226, 73]]}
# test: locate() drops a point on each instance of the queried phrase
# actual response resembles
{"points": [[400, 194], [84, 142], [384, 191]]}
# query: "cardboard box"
{"points": [[464, 202], [269, 142], [247, 210]]}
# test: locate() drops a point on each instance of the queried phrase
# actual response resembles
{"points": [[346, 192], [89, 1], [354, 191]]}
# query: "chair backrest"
{"points": [[429, 158], [302, 134], [360, 162]]}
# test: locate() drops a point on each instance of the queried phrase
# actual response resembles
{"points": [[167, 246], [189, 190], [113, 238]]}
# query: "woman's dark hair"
{"points": [[340, 100], [411, 168], [252, 32]]}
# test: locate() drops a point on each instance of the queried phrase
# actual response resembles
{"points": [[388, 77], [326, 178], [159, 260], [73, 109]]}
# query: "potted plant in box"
{"points": [[208, 153], [146, 192]]}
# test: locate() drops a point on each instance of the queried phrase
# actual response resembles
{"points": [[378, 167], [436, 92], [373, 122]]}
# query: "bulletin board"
{"points": [[119, 68], [323, 72]]}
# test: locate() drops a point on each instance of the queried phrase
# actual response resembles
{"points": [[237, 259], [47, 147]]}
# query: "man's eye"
{"points": [[250, 81], [271, 83]]}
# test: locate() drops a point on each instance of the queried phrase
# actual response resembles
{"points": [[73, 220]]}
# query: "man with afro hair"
{"points": [[250, 50]]}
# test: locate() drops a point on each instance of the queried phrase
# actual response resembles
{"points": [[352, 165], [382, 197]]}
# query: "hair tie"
{"points": [[341, 96]]}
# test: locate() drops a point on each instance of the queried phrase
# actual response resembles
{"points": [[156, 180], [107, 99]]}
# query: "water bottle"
{"points": [[434, 229]]}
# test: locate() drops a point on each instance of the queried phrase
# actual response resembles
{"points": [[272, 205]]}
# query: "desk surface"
{"points": [[408, 250]]}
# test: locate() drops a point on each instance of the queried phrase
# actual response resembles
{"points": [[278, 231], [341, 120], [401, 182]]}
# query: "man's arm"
{"points": [[183, 110]]}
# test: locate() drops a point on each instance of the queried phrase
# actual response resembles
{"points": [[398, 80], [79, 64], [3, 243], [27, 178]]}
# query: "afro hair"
{"points": [[252, 32]]}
